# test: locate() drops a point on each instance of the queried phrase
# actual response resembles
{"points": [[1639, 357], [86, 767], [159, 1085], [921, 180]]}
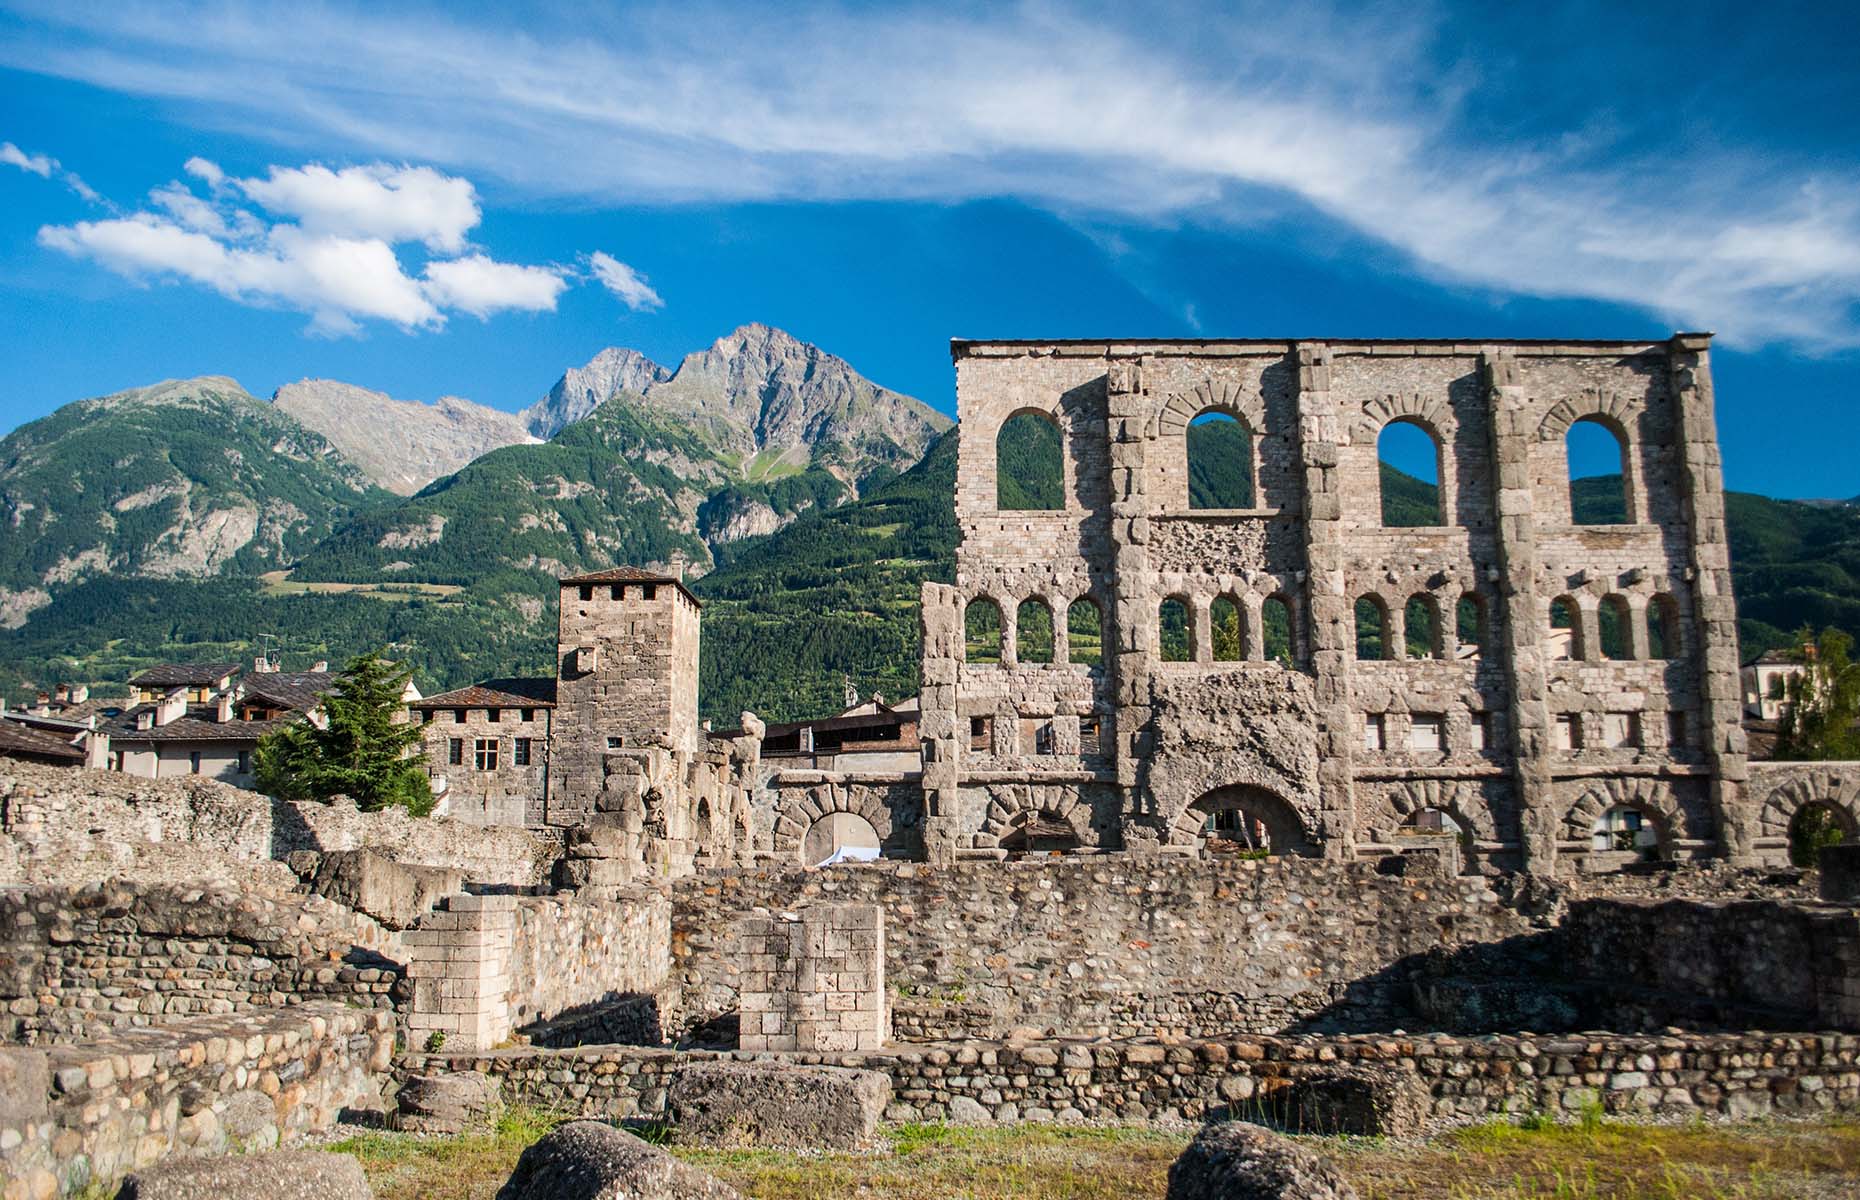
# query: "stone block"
{"points": [[586, 1160], [1360, 1101], [25, 1081], [283, 1175], [393, 893], [776, 1105], [445, 1103], [1236, 1161]]}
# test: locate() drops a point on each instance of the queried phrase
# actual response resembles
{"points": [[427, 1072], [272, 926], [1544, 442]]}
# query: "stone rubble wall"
{"points": [[76, 962], [1113, 946], [485, 967], [73, 1116], [1465, 1079], [63, 826]]}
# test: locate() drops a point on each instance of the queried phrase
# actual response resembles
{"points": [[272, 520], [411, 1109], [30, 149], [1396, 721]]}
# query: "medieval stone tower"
{"points": [[627, 677]]}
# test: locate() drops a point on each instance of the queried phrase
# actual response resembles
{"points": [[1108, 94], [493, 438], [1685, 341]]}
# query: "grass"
{"points": [[1529, 1160]]}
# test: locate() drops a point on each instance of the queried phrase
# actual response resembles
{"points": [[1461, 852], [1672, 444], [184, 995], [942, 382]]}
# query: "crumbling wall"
{"points": [[65, 826], [78, 962], [1117, 946], [85, 1114]]}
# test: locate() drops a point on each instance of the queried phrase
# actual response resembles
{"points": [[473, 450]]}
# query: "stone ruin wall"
{"points": [[72, 1117], [1175, 732]]}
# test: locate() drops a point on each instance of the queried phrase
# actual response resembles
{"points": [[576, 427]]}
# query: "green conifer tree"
{"points": [[365, 750]]}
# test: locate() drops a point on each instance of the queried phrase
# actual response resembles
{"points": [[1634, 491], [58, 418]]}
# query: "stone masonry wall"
{"points": [[1467, 1079], [76, 962], [63, 826], [815, 982], [1117, 946], [77, 1116], [487, 966]]}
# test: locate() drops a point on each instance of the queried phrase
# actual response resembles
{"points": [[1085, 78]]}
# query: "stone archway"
{"points": [[1030, 819], [1655, 801], [1788, 802], [1244, 815], [798, 814], [1401, 804]]}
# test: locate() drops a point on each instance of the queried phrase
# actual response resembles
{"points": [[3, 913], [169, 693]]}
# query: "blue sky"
{"points": [[446, 201]]}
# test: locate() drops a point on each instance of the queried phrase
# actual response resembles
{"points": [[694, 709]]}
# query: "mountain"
{"points": [[402, 445], [581, 390], [186, 478]]}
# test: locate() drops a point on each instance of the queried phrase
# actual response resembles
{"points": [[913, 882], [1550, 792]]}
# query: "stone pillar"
{"points": [[938, 725], [1331, 627], [1518, 619], [814, 983], [1714, 610], [459, 963], [1132, 617]]}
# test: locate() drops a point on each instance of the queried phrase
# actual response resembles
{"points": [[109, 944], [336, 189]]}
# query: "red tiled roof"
{"points": [[495, 693]]}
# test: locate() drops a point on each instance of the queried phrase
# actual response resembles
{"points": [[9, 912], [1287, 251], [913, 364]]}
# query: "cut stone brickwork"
{"points": [[814, 982], [1532, 738]]}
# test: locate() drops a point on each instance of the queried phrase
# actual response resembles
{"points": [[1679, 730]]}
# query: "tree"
{"points": [[365, 750], [1822, 702]]}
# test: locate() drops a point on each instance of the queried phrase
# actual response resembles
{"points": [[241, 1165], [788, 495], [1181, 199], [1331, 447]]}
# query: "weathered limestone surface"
{"points": [[445, 1103], [814, 981], [742, 1105], [586, 1160], [1236, 1161], [394, 894], [281, 1175], [206, 1086]]}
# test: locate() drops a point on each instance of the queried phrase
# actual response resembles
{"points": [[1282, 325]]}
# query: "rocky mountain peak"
{"points": [[583, 389], [402, 445]]}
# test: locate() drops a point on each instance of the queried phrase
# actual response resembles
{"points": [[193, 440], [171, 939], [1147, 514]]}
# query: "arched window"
{"points": [[1611, 622], [1409, 471], [839, 837], [1175, 631], [1622, 829], [1275, 627], [1664, 639], [1220, 462], [1225, 641], [1564, 640], [1469, 622], [1597, 475], [1030, 468], [1084, 632], [981, 631], [703, 821], [1033, 632], [1421, 619], [1372, 628], [1815, 827]]}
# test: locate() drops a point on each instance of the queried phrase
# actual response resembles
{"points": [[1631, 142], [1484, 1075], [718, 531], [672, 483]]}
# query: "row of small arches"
{"points": [[1221, 463], [1033, 637], [1620, 632]]}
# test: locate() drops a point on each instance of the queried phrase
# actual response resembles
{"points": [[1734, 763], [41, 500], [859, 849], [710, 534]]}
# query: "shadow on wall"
{"points": [[616, 1019]]}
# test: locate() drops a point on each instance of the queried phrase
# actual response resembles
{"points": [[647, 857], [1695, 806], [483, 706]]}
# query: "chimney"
{"points": [[80, 693], [171, 707], [222, 708], [62, 693], [677, 565], [44, 705], [321, 665], [258, 664], [145, 720]]}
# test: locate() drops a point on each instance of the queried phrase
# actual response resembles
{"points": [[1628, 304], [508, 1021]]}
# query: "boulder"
{"points": [[740, 1104], [1364, 1101], [393, 893], [282, 1175], [448, 1102], [586, 1160], [1237, 1161]]}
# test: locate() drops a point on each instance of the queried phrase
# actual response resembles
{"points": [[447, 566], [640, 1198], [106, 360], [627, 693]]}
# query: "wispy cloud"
{"points": [[623, 281], [46, 167], [322, 241], [1085, 112]]}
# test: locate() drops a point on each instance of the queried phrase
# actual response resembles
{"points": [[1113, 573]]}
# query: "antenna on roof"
{"points": [[852, 693]]}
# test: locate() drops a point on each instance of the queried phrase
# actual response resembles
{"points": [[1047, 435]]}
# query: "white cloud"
{"points": [[481, 286], [396, 204], [624, 282], [36, 164], [338, 261]]}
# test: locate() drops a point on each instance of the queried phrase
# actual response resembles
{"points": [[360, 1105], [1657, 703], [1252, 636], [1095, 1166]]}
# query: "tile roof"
{"points": [[185, 674], [626, 574], [17, 741], [197, 724], [496, 693], [300, 690]]}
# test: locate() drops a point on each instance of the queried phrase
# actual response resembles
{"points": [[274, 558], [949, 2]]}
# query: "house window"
{"points": [[587, 591], [616, 592], [1479, 732], [614, 743], [651, 591], [1424, 732], [455, 752], [529, 714], [1568, 731], [458, 716], [426, 716], [520, 753], [193, 762], [1372, 731], [484, 754]]}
